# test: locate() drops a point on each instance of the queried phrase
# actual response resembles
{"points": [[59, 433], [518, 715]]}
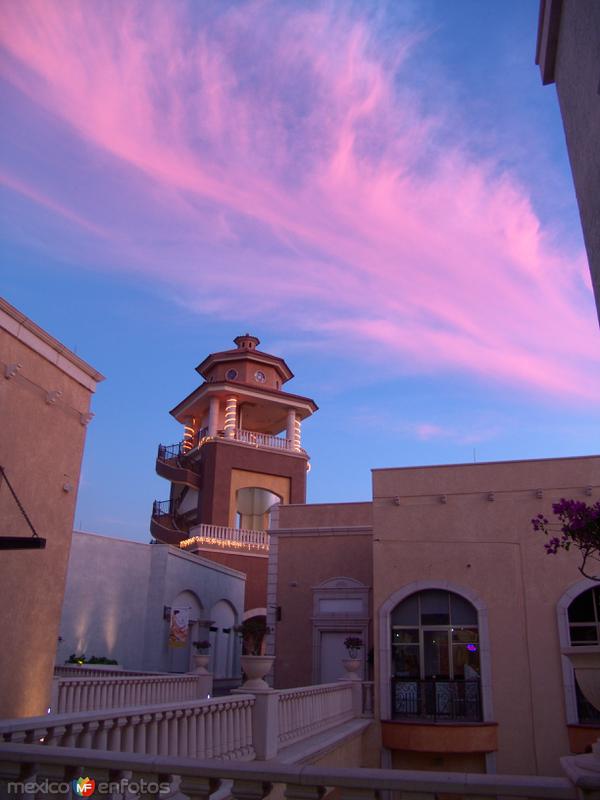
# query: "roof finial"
{"points": [[246, 342]]}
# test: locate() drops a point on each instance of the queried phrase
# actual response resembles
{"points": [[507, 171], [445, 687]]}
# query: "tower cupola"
{"points": [[246, 342]]}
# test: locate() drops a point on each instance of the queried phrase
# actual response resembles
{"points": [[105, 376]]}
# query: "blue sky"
{"points": [[381, 193]]}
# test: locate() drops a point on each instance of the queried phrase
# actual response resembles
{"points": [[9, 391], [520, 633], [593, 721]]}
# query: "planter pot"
{"points": [[351, 665], [200, 663], [586, 663], [255, 668]]}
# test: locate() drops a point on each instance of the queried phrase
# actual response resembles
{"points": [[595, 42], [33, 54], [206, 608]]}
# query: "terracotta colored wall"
{"points": [[304, 562], [41, 446], [255, 569], [221, 458], [489, 547]]}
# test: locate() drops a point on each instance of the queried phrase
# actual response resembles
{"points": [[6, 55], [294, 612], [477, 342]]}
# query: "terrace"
{"points": [[120, 729]]}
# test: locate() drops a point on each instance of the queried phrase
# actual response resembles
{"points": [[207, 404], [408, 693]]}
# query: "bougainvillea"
{"points": [[578, 526]]}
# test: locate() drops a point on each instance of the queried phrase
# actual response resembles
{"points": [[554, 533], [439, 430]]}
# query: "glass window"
{"points": [[583, 634], [435, 607], [426, 645], [405, 635], [582, 608], [407, 612], [465, 658], [461, 611], [584, 618]]}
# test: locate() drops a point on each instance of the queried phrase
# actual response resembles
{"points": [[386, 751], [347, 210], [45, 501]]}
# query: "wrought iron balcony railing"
{"points": [[436, 700]]}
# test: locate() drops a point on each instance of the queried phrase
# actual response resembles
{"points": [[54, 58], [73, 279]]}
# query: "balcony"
{"points": [[171, 465], [266, 441], [436, 700], [164, 525], [222, 538]]}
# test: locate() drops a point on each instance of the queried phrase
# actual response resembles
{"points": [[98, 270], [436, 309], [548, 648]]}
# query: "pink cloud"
{"points": [[296, 174]]}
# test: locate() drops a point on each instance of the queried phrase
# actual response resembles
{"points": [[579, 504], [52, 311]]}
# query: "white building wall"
{"points": [[117, 592]]}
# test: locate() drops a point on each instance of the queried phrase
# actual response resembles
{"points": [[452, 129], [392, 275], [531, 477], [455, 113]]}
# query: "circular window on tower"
{"points": [[231, 374], [260, 376]]}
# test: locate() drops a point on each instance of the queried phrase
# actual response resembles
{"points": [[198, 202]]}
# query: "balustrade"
{"points": [[308, 710], [24, 768], [117, 690], [220, 536], [218, 728]]}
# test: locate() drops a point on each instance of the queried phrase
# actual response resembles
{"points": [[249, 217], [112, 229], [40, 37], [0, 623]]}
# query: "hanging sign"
{"points": [[178, 629]]}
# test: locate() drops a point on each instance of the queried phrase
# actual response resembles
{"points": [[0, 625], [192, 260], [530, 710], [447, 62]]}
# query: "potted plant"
{"points": [[353, 645], [201, 656], [255, 663]]}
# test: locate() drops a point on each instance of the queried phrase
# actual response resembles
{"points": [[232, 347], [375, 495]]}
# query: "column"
{"points": [[297, 435], [290, 428], [213, 416], [230, 417], [188, 434]]}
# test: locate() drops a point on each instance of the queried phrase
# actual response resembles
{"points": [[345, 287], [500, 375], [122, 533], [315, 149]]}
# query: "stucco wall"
{"points": [[117, 591], [488, 547], [41, 446], [577, 74], [322, 547]]}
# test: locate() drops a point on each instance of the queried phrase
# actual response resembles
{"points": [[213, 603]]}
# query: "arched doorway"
{"points": [[186, 605], [224, 647]]}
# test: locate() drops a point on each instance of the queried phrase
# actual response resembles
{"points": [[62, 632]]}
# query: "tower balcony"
{"points": [[181, 455], [164, 525], [170, 465], [218, 537]]}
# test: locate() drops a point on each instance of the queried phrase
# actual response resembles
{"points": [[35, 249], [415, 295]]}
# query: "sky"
{"points": [[379, 191]]}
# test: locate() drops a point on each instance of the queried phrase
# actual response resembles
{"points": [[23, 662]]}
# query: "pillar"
{"points": [[230, 417], [188, 434], [290, 428], [213, 416]]}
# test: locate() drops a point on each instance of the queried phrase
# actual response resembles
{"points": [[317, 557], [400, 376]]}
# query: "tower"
{"points": [[240, 455]]}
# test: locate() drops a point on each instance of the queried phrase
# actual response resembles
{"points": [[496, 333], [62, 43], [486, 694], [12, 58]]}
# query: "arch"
{"points": [[254, 612], [179, 659], [224, 645], [253, 506], [385, 646], [564, 638], [188, 598]]}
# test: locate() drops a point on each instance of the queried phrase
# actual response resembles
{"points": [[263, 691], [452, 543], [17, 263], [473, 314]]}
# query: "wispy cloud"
{"points": [[473, 432], [279, 160]]}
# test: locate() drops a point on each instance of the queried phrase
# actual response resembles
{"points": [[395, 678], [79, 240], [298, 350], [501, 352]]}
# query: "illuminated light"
{"points": [[472, 648], [231, 544]]}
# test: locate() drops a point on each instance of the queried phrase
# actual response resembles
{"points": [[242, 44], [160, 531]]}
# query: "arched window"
{"points": [[584, 629], [435, 657]]}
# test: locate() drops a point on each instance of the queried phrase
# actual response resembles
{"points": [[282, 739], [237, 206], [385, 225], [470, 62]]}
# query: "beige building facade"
{"points": [[462, 613], [45, 395]]}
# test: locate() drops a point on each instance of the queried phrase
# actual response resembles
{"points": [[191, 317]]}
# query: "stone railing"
{"points": [[263, 439], [241, 725], [71, 695], [218, 728], [308, 710], [231, 538], [87, 671], [24, 769]]}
